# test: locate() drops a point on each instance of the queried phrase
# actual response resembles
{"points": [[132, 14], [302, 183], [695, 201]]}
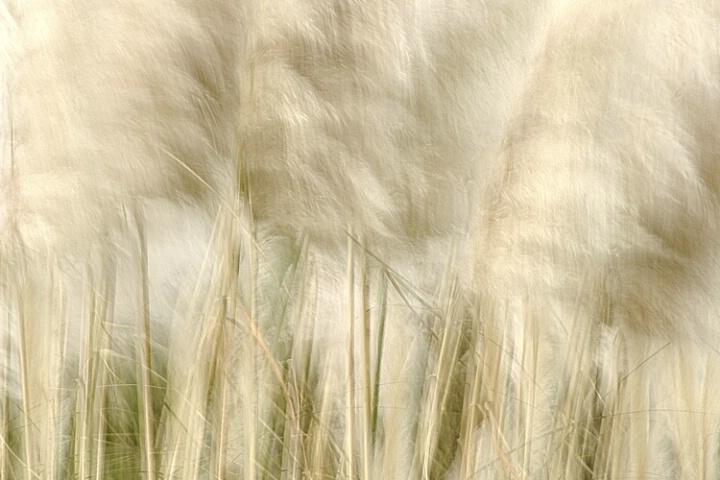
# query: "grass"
{"points": [[256, 377]]}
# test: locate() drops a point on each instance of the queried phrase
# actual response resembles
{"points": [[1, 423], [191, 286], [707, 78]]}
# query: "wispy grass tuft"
{"points": [[283, 362]]}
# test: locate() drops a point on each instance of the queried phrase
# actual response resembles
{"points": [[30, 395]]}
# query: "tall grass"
{"points": [[287, 356], [245, 388]]}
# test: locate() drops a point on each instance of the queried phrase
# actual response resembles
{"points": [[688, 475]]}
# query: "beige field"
{"points": [[372, 239]]}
